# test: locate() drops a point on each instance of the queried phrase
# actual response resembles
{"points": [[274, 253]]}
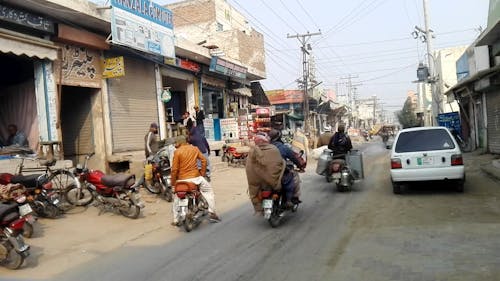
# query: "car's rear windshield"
{"points": [[435, 139]]}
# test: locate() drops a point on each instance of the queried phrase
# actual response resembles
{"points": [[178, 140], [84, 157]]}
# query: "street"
{"points": [[428, 233]]}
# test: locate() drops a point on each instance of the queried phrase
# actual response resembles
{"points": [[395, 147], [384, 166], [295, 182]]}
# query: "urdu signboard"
{"points": [[227, 68], [143, 25]]}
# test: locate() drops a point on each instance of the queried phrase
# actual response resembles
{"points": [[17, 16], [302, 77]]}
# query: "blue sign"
{"points": [[143, 25], [451, 121]]}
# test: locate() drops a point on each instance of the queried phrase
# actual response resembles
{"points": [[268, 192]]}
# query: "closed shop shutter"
{"points": [[76, 116], [133, 104], [493, 108]]}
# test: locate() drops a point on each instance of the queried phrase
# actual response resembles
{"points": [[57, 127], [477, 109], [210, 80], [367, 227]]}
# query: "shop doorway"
{"points": [[76, 122], [17, 98], [213, 103], [175, 108]]}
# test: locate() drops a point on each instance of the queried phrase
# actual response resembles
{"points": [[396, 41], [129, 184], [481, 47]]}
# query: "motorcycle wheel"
{"points": [[79, 198], [154, 188], [27, 230], [132, 211], [52, 211], [274, 220], [13, 259], [168, 196], [189, 223]]}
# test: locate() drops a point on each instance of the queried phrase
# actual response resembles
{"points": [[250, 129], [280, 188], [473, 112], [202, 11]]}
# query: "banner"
{"points": [[143, 25], [113, 67], [285, 96]]}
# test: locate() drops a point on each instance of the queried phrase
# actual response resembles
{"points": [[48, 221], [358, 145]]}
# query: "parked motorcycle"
{"points": [[110, 192], [193, 207], [232, 156], [156, 177], [13, 250], [38, 193]]}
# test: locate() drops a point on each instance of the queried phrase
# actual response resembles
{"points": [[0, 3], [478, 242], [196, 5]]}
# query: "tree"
{"points": [[407, 116]]}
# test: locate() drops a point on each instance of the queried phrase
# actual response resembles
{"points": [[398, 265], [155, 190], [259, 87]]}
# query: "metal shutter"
{"points": [[133, 104], [76, 117], [493, 108]]}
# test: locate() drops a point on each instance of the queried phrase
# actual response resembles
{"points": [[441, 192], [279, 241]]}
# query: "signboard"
{"points": [[229, 128], [113, 67], [285, 96], [208, 123], [184, 64], [81, 67], [144, 26], [450, 120], [26, 19], [224, 67]]}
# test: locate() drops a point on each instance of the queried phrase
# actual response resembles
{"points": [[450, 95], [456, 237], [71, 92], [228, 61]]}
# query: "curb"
{"points": [[491, 171]]}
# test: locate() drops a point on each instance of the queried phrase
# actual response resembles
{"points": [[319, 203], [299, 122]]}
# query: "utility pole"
{"points": [[374, 109], [350, 95], [303, 39]]}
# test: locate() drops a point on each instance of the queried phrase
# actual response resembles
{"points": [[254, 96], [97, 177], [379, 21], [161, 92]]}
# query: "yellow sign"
{"points": [[113, 67]]}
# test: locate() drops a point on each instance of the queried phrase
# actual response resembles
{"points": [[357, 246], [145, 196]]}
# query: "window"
{"points": [[220, 27], [424, 140]]}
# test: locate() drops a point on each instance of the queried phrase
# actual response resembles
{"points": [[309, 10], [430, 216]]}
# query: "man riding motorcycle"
{"points": [[290, 181], [340, 144], [185, 169]]}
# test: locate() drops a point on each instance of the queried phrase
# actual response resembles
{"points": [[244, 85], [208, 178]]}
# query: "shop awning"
{"points": [[21, 44], [243, 91]]}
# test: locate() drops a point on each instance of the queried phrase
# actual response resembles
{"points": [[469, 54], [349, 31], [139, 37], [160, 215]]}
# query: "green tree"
{"points": [[407, 116]]}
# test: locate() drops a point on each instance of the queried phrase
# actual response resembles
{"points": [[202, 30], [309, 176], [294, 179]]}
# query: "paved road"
{"points": [[429, 233], [243, 247]]}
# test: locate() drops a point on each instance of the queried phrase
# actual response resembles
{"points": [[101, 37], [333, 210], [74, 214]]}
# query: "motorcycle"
{"points": [[13, 250], [273, 204], [340, 173], [38, 194], [156, 177], [110, 192], [343, 169], [192, 206], [232, 156]]}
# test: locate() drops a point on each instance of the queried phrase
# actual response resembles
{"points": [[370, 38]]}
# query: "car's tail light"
{"points": [[396, 163], [17, 224], [181, 194], [457, 160]]}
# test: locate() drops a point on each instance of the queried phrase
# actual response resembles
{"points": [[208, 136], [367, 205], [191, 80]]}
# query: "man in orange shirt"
{"points": [[185, 168]]}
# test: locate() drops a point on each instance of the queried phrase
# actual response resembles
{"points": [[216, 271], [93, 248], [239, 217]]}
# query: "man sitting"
{"points": [[185, 169]]}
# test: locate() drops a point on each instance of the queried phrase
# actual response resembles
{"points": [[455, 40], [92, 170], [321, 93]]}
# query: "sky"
{"points": [[368, 39]]}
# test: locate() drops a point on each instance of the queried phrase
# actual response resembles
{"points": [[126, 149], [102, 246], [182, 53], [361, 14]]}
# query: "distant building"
{"points": [[446, 70]]}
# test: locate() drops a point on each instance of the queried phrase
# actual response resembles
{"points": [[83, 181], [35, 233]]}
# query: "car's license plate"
{"points": [[183, 203], [336, 175], [425, 161], [267, 203], [25, 209]]}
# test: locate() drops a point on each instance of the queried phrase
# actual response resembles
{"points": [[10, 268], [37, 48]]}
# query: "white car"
{"points": [[426, 154]]}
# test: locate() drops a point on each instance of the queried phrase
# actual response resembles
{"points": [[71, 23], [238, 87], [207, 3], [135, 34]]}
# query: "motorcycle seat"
{"points": [[48, 163], [118, 180], [29, 180], [8, 212], [185, 187]]}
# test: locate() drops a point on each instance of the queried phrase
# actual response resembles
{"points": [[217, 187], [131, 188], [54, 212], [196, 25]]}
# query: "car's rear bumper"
{"points": [[430, 174]]}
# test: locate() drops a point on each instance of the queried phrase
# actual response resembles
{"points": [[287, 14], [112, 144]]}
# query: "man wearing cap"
{"points": [[185, 169], [151, 140]]}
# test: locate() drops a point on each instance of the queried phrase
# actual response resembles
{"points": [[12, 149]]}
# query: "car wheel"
{"points": [[396, 188]]}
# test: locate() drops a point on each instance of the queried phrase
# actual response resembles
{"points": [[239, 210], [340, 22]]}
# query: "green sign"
{"points": [[166, 96], [494, 12]]}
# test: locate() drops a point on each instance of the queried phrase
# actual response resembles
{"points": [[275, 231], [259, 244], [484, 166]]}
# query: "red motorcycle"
{"points": [[232, 156], [13, 250], [110, 192], [192, 206]]}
